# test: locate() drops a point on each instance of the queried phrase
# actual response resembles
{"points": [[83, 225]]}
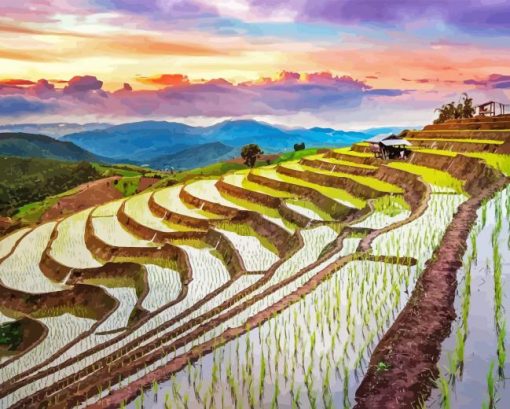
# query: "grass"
{"points": [[296, 155], [500, 162], [432, 176], [128, 185], [32, 212]]}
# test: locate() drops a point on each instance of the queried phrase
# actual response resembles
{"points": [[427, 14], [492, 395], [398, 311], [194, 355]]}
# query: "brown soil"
{"points": [[145, 183], [88, 195], [412, 346]]}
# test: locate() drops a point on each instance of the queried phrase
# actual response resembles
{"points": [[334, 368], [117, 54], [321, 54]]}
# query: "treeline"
{"points": [[26, 180]]}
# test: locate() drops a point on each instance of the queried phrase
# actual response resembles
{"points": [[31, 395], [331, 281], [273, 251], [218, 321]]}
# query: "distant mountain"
{"points": [[139, 141], [55, 130], [197, 156], [384, 130], [42, 146], [146, 141]]}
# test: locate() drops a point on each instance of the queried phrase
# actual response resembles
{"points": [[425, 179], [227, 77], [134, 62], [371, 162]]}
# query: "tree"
{"points": [[250, 153], [299, 146], [463, 109]]}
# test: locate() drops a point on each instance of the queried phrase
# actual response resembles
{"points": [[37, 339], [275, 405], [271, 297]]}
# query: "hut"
{"points": [[390, 146], [491, 108]]}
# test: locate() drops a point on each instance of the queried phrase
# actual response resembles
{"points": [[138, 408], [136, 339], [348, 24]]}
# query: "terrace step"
{"points": [[478, 125], [502, 135]]}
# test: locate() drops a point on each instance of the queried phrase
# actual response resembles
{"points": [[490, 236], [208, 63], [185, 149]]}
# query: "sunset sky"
{"points": [[348, 64]]}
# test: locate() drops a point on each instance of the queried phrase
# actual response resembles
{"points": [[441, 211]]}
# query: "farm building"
{"points": [[492, 108], [389, 146]]}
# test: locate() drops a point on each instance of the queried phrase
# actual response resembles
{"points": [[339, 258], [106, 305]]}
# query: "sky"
{"points": [[347, 64]]}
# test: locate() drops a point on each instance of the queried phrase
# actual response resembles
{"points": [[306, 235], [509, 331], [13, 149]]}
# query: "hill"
{"points": [[201, 155], [143, 142], [25, 180], [55, 130], [139, 141], [41, 146]]}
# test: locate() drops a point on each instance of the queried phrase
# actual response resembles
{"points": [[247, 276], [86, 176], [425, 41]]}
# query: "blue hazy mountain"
{"points": [[145, 141], [55, 130]]}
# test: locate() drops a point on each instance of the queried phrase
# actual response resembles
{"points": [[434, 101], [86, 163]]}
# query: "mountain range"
{"points": [[42, 146], [165, 145], [146, 141]]}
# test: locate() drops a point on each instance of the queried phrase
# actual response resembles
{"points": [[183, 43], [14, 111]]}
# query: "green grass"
{"points": [[296, 155], [128, 185], [500, 162], [429, 175], [32, 212], [107, 171], [347, 151]]}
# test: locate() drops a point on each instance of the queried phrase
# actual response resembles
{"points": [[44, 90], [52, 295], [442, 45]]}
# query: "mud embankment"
{"points": [[229, 253], [412, 346]]}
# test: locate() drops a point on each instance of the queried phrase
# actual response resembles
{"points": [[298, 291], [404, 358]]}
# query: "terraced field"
{"points": [[313, 283]]}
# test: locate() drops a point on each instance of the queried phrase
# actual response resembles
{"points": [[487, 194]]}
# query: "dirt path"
{"points": [[412, 346], [89, 194]]}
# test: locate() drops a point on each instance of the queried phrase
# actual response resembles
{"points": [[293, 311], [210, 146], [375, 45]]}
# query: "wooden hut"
{"points": [[389, 146]]}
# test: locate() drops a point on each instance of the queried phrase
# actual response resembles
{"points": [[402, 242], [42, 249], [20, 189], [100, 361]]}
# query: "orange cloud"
{"points": [[16, 82], [169, 80]]}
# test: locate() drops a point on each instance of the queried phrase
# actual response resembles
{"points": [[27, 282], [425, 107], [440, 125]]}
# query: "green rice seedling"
{"points": [[491, 389], [501, 350], [444, 389]]}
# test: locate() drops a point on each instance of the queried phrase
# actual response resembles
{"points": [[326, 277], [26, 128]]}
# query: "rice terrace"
{"points": [[246, 204]]}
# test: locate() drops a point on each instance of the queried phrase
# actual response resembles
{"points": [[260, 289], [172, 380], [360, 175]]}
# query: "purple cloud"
{"points": [[290, 93], [18, 106], [478, 16], [498, 81], [81, 84]]}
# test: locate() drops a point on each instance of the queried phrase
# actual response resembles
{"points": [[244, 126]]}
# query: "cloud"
{"points": [[18, 106], [166, 79], [477, 16], [289, 92], [493, 81], [16, 82], [80, 84]]}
